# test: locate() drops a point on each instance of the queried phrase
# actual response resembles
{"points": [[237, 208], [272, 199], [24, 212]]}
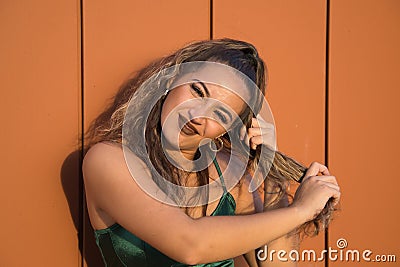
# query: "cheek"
{"points": [[214, 129], [172, 100]]}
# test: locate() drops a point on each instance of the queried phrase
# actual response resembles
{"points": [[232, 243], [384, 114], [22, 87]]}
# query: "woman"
{"points": [[176, 130]]}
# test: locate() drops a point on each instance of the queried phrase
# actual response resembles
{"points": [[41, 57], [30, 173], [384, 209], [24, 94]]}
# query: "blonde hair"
{"points": [[237, 54]]}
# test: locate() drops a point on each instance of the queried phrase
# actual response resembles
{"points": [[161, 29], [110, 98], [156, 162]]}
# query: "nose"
{"points": [[196, 116], [200, 113], [202, 109]]}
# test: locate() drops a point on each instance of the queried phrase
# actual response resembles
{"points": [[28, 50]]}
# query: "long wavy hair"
{"points": [[239, 55]]}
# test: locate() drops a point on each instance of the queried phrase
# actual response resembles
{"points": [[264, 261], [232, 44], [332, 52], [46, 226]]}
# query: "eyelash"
{"points": [[221, 116], [197, 90], [201, 94]]}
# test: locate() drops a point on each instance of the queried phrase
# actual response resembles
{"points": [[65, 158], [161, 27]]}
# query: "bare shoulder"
{"points": [[100, 165], [100, 152], [104, 162], [108, 157], [106, 177]]}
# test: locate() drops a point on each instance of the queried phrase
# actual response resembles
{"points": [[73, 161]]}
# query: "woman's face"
{"points": [[196, 111]]}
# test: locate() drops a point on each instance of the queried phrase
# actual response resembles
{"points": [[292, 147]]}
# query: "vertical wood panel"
{"points": [[290, 36], [39, 74], [364, 124], [120, 37]]}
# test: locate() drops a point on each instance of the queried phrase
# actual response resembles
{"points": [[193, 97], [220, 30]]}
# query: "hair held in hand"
{"points": [[285, 170]]}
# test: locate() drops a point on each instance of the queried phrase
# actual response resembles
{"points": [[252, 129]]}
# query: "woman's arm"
{"points": [[111, 189]]}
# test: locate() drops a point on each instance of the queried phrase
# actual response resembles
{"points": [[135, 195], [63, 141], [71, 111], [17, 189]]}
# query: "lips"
{"points": [[187, 128]]}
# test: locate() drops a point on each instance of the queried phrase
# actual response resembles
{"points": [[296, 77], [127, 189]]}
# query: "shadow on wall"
{"points": [[72, 183]]}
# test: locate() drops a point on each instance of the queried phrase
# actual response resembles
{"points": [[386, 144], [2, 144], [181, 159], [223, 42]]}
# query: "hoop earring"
{"points": [[220, 146]]}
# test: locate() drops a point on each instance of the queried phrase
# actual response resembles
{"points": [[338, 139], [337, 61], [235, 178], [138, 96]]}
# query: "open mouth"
{"points": [[187, 128]]}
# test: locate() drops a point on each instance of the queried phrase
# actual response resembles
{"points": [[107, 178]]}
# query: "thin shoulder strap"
{"points": [[220, 174]]}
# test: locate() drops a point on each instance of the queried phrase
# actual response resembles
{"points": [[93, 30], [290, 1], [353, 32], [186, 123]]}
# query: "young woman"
{"points": [[170, 162]]}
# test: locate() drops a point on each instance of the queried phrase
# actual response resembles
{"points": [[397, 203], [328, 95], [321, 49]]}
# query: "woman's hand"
{"points": [[261, 132], [315, 190]]}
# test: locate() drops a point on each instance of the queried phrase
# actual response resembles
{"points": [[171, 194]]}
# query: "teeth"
{"points": [[189, 129], [186, 128]]}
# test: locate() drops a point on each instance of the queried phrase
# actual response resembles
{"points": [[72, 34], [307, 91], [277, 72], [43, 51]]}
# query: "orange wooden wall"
{"points": [[364, 128], [334, 86], [40, 125]]}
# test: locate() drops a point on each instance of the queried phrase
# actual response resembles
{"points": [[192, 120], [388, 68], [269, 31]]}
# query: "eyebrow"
{"points": [[208, 94], [204, 87]]}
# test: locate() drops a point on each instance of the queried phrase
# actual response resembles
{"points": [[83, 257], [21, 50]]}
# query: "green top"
{"points": [[119, 247]]}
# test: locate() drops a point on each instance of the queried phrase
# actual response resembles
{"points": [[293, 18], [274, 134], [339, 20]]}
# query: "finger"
{"points": [[260, 119], [331, 191], [255, 141], [327, 178], [251, 132], [263, 123], [315, 168], [254, 131], [331, 186], [261, 129], [325, 171], [254, 122], [336, 196]]}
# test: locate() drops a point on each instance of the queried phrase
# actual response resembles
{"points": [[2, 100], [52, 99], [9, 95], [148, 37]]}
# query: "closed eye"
{"points": [[195, 88], [221, 116]]}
